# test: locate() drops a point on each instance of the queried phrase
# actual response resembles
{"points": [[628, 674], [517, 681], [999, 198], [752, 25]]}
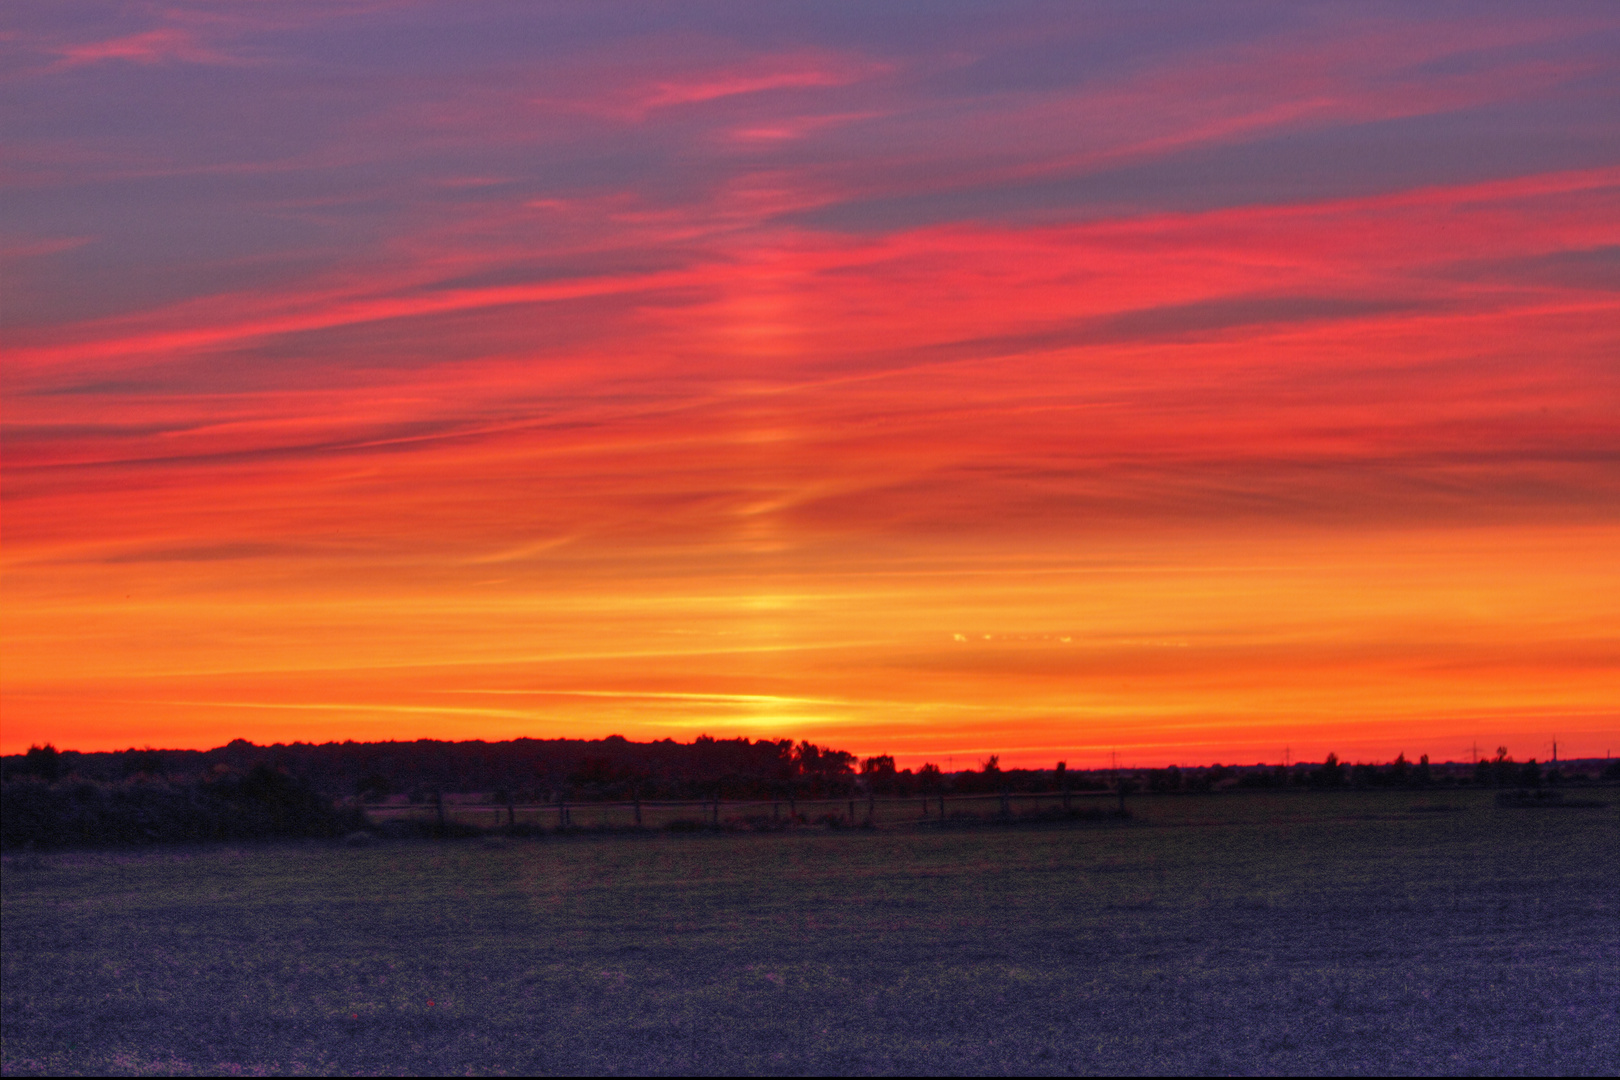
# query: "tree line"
{"points": [[259, 804], [1501, 771], [245, 791], [527, 769]]}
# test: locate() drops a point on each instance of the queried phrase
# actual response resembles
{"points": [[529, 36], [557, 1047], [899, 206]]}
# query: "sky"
{"points": [[1192, 383]]}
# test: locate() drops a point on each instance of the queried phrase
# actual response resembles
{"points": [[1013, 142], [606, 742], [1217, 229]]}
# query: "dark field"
{"points": [[1297, 932]]}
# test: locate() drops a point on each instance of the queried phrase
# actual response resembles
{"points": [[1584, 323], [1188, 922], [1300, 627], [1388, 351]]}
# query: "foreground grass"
{"points": [[1244, 933]]}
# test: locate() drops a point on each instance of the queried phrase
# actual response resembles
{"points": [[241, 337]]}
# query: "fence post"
{"points": [[562, 811], [638, 809], [1006, 805], [511, 814], [852, 811], [871, 808]]}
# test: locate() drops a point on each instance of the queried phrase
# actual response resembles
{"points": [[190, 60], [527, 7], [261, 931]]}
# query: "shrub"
{"points": [[259, 805]]}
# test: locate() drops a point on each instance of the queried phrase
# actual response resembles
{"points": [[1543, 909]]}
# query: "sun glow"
{"points": [[855, 390]]}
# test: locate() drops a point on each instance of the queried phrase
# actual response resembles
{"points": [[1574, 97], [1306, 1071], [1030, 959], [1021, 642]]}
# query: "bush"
{"points": [[259, 805]]}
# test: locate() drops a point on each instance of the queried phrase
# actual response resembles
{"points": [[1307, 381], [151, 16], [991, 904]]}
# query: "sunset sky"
{"points": [[1196, 382]]}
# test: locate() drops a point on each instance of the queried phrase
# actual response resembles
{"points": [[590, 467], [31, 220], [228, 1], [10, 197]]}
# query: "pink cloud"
{"points": [[758, 78], [165, 45], [545, 393], [675, 81]]}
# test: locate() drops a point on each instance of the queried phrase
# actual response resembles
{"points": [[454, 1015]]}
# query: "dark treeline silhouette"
{"points": [[244, 791], [525, 770], [1500, 771], [260, 804], [878, 776]]}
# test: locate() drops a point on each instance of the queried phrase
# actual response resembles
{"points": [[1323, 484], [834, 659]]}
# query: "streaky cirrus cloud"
{"points": [[1042, 379]]}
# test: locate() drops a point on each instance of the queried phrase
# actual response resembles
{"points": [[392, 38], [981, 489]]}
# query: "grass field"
{"points": [[1294, 932]]}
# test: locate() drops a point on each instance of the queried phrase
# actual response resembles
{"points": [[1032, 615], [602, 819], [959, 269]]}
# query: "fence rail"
{"points": [[657, 813]]}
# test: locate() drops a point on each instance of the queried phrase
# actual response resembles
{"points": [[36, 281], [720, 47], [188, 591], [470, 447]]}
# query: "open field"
{"points": [[1254, 932]]}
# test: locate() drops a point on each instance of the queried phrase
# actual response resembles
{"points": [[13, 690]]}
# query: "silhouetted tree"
{"points": [[879, 773], [881, 765], [1504, 770], [816, 761], [1331, 774], [1399, 770], [1165, 779], [43, 762], [146, 762]]}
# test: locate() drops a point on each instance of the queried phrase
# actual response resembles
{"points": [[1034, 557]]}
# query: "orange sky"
{"points": [[1026, 384]]}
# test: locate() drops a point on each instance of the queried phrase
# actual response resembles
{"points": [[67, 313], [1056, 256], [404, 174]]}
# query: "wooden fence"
{"points": [[654, 814]]}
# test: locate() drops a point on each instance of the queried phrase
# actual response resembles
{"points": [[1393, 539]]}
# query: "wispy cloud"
{"points": [[730, 369], [764, 74], [167, 45]]}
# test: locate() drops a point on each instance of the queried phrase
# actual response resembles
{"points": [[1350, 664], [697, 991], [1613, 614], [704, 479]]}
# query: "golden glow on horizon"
{"points": [[1306, 640], [910, 420]]}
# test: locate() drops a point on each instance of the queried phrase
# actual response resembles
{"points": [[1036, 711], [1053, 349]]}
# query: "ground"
{"points": [[1229, 933]]}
